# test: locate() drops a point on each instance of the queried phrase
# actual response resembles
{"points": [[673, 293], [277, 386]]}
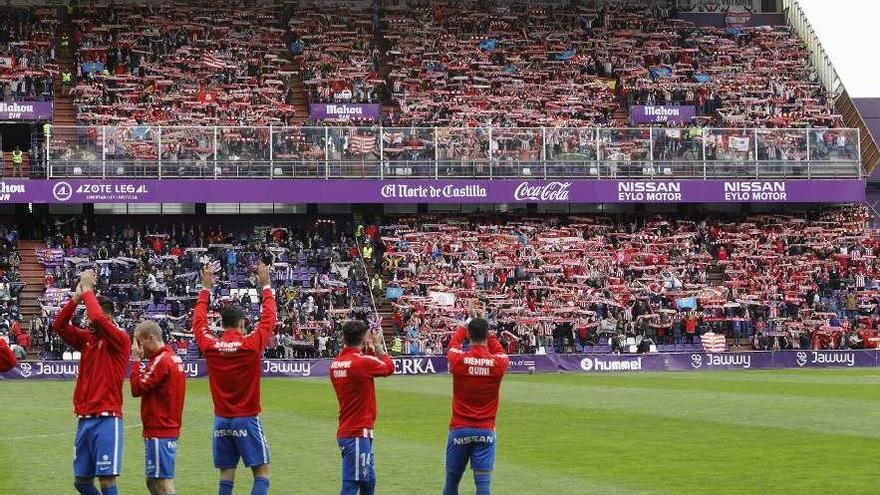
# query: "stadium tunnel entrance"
{"points": [[18, 134]]}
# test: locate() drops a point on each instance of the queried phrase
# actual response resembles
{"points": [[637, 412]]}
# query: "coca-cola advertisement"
{"points": [[543, 192]]}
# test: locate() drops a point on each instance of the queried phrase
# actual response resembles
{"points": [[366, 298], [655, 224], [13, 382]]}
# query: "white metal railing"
{"points": [[384, 153]]}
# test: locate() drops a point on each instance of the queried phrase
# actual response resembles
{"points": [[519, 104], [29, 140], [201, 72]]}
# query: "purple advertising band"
{"points": [[662, 114], [344, 111], [581, 363], [430, 191], [604, 363], [26, 110]]}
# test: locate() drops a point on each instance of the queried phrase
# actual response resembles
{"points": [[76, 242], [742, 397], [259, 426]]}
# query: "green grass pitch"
{"points": [[756, 432]]}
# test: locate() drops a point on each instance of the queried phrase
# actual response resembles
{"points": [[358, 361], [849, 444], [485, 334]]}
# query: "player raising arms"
{"points": [[161, 387], [352, 376], [476, 380], [97, 398], [234, 365]]}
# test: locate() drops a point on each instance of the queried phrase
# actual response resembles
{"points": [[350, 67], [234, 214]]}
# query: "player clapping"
{"points": [[352, 372], [161, 387], [97, 398], [234, 365], [476, 381]]}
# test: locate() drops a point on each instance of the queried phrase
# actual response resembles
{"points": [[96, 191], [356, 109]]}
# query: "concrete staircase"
{"points": [[300, 100], [386, 311], [715, 274], [621, 115], [383, 69], [65, 114], [32, 274]]}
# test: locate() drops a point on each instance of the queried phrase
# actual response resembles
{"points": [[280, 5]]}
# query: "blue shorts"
{"points": [[239, 438], [470, 444], [160, 455], [97, 448], [357, 459]]}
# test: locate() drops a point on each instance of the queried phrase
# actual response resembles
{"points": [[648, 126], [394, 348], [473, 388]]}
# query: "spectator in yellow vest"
{"points": [[396, 346], [66, 81], [17, 159]]}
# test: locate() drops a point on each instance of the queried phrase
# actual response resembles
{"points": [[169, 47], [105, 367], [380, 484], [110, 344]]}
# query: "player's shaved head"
{"points": [[148, 327], [478, 331], [353, 333], [232, 317]]}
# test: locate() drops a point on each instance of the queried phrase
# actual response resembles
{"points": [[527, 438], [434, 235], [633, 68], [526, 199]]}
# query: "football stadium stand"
{"points": [[28, 68], [153, 272], [572, 283], [166, 90]]}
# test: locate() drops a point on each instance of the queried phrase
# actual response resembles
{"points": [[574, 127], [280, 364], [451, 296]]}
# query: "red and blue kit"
{"points": [[97, 397], [234, 366], [352, 375]]}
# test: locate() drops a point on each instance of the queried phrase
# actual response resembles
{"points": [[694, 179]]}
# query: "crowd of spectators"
{"points": [[11, 327], [181, 64], [151, 272], [602, 284], [447, 64], [570, 283], [503, 66], [735, 77], [338, 54], [511, 66], [27, 53]]}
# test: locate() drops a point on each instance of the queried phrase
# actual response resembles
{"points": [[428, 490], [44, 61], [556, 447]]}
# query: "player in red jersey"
{"points": [[352, 376], [97, 398], [161, 385], [234, 365], [476, 381], [7, 358]]}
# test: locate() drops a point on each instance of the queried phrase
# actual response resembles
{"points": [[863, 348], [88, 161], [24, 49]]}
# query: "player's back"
{"points": [[234, 361], [103, 361], [352, 376], [234, 369], [102, 372], [476, 382]]}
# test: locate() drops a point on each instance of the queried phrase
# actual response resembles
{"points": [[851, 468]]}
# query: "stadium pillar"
{"points": [[201, 208], [88, 212], [422, 208]]}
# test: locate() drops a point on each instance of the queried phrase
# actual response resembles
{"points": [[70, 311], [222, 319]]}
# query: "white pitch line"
{"points": [[59, 434]]}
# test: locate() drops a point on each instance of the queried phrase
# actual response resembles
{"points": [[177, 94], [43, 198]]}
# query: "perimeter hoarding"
{"points": [[431, 191], [662, 114], [26, 110], [582, 363], [344, 111]]}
